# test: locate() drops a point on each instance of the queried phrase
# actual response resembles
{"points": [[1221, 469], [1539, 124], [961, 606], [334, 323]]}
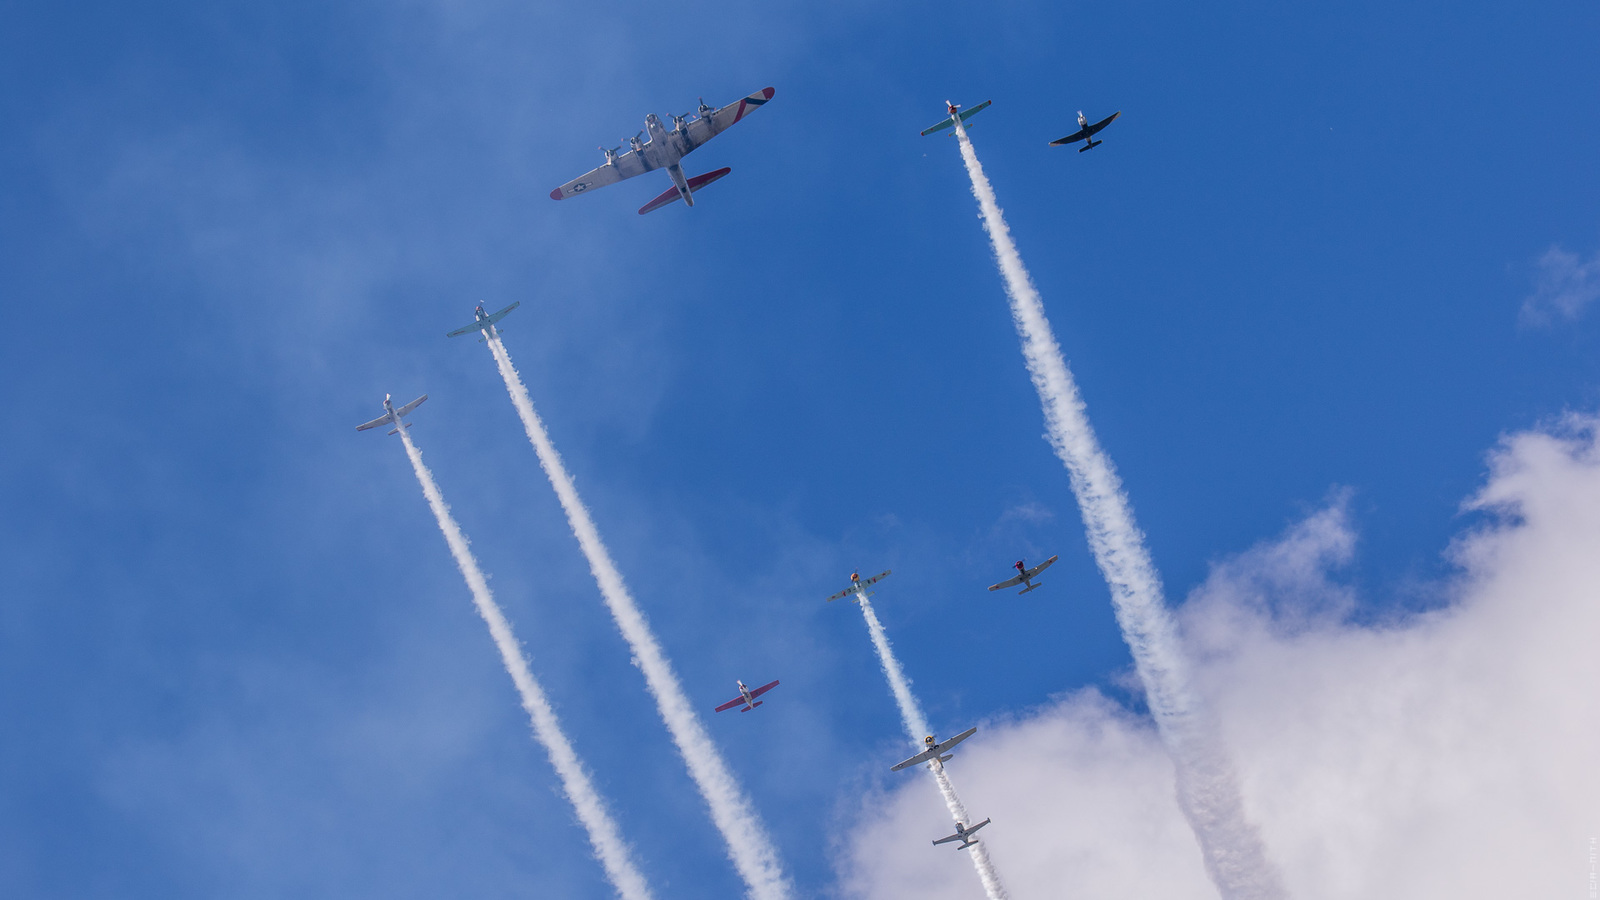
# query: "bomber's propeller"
{"points": [[705, 110]]}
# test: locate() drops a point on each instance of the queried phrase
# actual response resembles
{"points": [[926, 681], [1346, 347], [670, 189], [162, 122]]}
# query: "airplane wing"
{"points": [[381, 420], [756, 692], [627, 165], [865, 582], [1092, 129], [737, 701], [844, 593], [945, 747], [1042, 566], [402, 411], [945, 840], [703, 129], [465, 329], [1010, 582], [1074, 137], [496, 317]]}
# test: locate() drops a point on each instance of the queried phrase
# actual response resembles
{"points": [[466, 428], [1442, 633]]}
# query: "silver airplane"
{"points": [[392, 416], [665, 150], [1086, 132], [935, 750], [963, 834], [859, 584], [1025, 576], [483, 322], [747, 696]]}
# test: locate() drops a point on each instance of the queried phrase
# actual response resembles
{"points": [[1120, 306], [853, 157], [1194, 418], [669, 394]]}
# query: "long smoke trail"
{"points": [[607, 841], [749, 847], [1208, 790], [917, 726]]}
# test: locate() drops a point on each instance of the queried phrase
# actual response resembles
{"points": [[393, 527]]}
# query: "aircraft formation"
{"points": [[666, 149]]}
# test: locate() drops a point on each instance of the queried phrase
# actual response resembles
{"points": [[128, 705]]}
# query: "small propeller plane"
{"points": [[483, 322], [1086, 132], [963, 834], [954, 111], [1024, 575], [859, 584], [935, 750], [392, 416], [747, 696], [665, 150]]}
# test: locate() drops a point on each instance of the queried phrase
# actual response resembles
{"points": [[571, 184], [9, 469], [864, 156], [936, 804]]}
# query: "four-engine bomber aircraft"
{"points": [[1086, 132], [483, 322], [954, 110], [664, 150], [935, 750], [392, 416], [857, 583], [963, 834], [1024, 576], [747, 696]]}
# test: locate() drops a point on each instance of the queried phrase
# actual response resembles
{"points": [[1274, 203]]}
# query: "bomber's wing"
{"points": [[1095, 128], [708, 126], [1010, 582], [496, 317], [381, 420], [737, 701], [402, 411], [627, 165], [1037, 569], [756, 692]]}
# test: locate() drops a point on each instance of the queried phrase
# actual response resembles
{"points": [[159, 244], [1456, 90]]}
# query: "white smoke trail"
{"points": [[1208, 790], [917, 726], [607, 841], [749, 847]]}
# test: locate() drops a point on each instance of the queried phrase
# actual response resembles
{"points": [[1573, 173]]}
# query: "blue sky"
{"points": [[236, 657]]}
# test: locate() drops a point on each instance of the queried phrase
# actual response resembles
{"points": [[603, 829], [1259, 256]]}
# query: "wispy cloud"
{"points": [[1447, 755], [1564, 286]]}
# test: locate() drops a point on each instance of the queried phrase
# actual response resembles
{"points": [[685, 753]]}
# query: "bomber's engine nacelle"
{"points": [[636, 144], [704, 110], [611, 155]]}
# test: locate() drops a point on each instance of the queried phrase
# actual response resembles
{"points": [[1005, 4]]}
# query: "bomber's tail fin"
{"points": [[671, 194]]}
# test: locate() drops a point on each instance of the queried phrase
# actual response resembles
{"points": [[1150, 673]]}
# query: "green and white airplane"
{"points": [[955, 111], [483, 322]]}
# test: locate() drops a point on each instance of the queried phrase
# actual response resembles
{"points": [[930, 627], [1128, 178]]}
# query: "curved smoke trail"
{"points": [[1208, 790], [749, 847], [916, 726], [604, 837]]}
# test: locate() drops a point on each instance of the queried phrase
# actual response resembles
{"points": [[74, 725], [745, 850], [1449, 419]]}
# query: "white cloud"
{"points": [[1564, 286], [1452, 754]]}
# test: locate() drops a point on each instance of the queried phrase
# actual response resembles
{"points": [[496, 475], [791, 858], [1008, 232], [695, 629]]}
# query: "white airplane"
{"points": [[483, 321], [955, 112], [1024, 575], [392, 416], [858, 584], [963, 834], [747, 696], [664, 150], [935, 750]]}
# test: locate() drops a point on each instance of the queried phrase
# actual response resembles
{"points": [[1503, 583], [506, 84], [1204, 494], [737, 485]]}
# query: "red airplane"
{"points": [[747, 696]]}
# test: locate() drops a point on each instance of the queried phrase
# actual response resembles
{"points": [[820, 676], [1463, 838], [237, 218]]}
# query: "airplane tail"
{"points": [[1031, 587], [752, 706], [397, 431], [671, 194], [1090, 146]]}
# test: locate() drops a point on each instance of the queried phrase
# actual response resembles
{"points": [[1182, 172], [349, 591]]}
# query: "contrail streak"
{"points": [[749, 847], [1208, 790], [607, 841], [917, 726]]}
